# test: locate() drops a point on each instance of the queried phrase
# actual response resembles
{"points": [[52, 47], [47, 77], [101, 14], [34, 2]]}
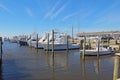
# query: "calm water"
{"points": [[24, 63]]}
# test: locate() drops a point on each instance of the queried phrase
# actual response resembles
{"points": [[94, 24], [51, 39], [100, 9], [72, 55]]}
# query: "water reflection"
{"points": [[116, 68], [59, 60], [83, 70], [24, 63], [1, 61], [1, 69], [96, 64]]}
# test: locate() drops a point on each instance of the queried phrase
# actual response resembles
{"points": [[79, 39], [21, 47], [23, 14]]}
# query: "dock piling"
{"points": [[1, 51], [116, 68], [108, 42], [84, 44], [98, 48], [47, 42], [72, 35], [37, 42], [53, 42], [30, 42], [89, 42], [67, 43]]}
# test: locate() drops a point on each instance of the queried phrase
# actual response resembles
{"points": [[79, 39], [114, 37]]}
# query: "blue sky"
{"points": [[27, 16]]}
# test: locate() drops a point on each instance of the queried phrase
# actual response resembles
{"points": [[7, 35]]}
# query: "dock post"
{"points": [[116, 67], [72, 35], [53, 42], [37, 42], [108, 42], [84, 44], [1, 51], [81, 44], [30, 41], [98, 48], [47, 42], [89, 44], [67, 43], [119, 47]]}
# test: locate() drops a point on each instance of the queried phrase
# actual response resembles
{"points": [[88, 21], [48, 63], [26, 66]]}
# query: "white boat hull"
{"points": [[40, 46], [95, 52], [32, 43], [59, 47], [117, 54]]}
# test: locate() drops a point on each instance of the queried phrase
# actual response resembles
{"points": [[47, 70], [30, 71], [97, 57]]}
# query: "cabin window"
{"points": [[33, 39], [51, 40], [43, 40]]}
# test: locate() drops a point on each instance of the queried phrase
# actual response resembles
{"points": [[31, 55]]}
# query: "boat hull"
{"points": [[117, 54], [40, 46], [34, 44], [22, 43], [61, 47], [95, 52]]}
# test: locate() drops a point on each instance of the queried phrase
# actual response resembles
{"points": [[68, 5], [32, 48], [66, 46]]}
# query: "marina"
{"points": [[57, 56], [25, 63], [59, 40]]}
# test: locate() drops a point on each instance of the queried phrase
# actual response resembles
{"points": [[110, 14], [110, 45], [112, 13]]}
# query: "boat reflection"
{"points": [[1, 70], [60, 60], [95, 64], [116, 71]]}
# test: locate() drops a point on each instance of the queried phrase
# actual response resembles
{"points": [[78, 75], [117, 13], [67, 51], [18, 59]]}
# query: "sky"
{"points": [[28, 16]]}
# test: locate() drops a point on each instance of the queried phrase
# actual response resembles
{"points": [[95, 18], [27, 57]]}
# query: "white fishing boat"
{"points": [[32, 41], [99, 49], [102, 51], [117, 54], [41, 41], [60, 43]]}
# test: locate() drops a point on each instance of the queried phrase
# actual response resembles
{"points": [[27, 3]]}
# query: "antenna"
{"points": [[72, 35], [78, 23]]}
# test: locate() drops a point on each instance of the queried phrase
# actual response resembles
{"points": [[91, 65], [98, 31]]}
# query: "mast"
{"points": [[72, 35]]}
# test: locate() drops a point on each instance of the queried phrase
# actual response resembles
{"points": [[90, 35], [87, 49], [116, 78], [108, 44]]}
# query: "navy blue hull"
{"points": [[22, 43]]}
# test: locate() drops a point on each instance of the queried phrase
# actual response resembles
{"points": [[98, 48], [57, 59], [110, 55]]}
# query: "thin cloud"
{"points": [[52, 9], [112, 6], [88, 12], [5, 8], [28, 10], [59, 11], [108, 14], [108, 19], [84, 14], [68, 16]]}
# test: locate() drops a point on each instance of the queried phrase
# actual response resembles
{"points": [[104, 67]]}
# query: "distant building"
{"points": [[113, 34]]}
